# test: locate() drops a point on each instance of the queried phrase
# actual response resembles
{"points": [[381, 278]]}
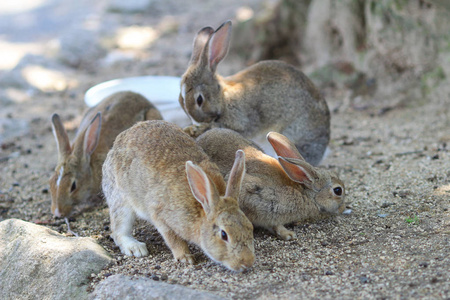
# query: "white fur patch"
{"points": [[57, 213], [61, 172], [183, 93]]}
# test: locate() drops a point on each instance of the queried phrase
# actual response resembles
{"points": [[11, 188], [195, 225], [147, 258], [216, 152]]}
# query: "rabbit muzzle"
{"points": [[247, 260]]}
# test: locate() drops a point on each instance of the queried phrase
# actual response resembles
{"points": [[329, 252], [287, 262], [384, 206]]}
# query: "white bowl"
{"points": [[162, 91]]}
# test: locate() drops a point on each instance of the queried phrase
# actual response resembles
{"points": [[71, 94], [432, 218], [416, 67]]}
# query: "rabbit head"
{"points": [[201, 91], [226, 235], [72, 181], [323, 187]]}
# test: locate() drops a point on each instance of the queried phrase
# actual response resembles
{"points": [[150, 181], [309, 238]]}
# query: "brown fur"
{"points": [[268, 96], [157, 172], [118, 112], [271, 197]]}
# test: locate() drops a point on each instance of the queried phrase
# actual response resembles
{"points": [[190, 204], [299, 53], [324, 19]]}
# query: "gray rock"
{"points": [[39, 263], [125, 287]]}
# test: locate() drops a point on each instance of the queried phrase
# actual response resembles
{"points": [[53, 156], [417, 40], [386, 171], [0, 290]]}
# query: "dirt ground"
{"points": [[394, 244]]}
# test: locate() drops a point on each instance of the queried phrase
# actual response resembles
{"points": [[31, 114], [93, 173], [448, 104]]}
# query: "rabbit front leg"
{"points": [[177, 245], [283, 233], [195, 130], [122, 220]]}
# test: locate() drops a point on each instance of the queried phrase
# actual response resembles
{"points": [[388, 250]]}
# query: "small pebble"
{"points": [[364, 279], [155, 277], [386, 204]]}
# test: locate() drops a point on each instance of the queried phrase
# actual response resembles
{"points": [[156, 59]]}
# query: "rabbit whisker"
{"points": [[68, 227]]}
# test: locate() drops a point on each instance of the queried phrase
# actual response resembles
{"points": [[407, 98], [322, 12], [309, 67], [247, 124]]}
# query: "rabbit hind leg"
{"points": [[283, 233]]}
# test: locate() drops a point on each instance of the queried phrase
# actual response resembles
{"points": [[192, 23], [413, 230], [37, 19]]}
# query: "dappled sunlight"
{"points": [[72, 125], [46, 80], [14, 7], [443, 190], [12, 53], [17, 95], [244, 13], [136, 37]]}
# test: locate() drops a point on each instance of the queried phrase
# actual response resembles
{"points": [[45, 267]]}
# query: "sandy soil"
{"points": [[394, 244]]}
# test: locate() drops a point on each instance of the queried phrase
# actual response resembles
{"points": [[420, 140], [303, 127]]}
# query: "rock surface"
{"points": [[39, 263], [125, 287]]}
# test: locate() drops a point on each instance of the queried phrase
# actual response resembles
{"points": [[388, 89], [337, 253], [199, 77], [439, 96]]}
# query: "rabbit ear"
{"points": [[62, 139], [236, 176], [219, 44], [201, 187], [92, 134], [299, 170], [283, 146], [200, 41]]}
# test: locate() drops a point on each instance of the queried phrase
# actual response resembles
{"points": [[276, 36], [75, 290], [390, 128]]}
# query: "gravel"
{"points": [[393, 242]]}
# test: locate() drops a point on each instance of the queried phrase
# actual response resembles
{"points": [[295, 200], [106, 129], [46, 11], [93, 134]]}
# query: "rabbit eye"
{"points": [[338, 191], [199, 100], [73, 187], [224, 235]]}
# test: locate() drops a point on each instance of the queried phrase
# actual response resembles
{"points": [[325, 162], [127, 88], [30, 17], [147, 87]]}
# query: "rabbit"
{"points": [[267, 96], [157, 172], [77, 177], [279, 191]]}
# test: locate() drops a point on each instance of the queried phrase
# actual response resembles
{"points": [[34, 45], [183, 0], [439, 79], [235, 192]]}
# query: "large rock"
{"points": [[39, 263], [124, 287]]}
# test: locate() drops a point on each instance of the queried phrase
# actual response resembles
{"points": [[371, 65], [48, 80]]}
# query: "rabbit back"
{"points": [[286, 101]]}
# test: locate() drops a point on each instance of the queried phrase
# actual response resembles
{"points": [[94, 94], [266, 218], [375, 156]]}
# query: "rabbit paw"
{"points": [[196, 130], [186, 258], [284, 233], [134, 248]]}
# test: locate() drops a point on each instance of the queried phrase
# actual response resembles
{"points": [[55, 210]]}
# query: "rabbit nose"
{"points": [[248, 261]]}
